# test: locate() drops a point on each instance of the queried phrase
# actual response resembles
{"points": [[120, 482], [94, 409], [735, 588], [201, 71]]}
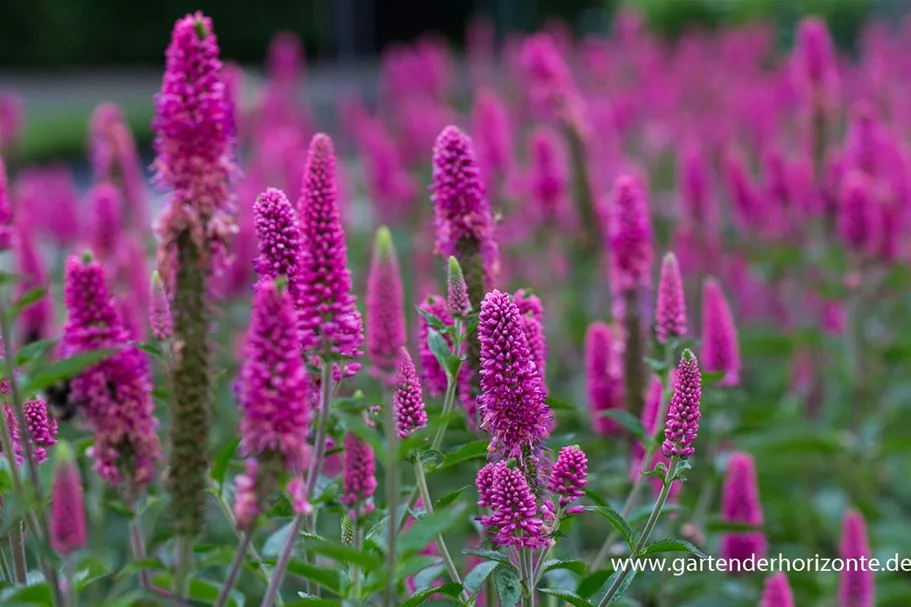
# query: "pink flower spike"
{"points": [[777, 591], [670, 312], [385, 301], [6, 211], [107, 213], [629, 235], [67, 521], [740, 505], [407, 399], [568, 477], [603, 376], [683, 413], [856, 586], [159, 310], [720, 350], [359, 477]]}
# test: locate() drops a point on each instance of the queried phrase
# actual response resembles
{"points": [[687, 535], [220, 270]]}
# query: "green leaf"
{"points": [[203, 591], [152, 563], [473, 450], [441, 350], [475, 578], [66, 369], [565, 595], [222, 461], [449, 498], [309, 600], [36, 594], [275, 541], [151, 349], [346, 554], [592, 583], [711, 378], [450, 589], [616, 520], [90, 570], [489, 555], [576, 566], [34, 350], [426, 529], [509, 587], [558, 405], [672, 545], [326, 577], [27, 299], [433, 320], [621, 590], [629, 422]]}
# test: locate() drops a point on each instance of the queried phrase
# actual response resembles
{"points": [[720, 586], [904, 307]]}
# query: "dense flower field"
{"points": [[531, 317]]}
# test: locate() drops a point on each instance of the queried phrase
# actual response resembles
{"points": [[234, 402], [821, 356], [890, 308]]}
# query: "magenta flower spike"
{"points": [[115, 158], [433, 374], [670, 311], [512, 395], [385, 301], [549, 183], [514, 519], [695, 189], [777, 591], [856, 220], [35, 320], [742, 191], [682, 422], [568, 476], [6, 211], [407, 400], [551, 88], [603, 376], [159, 310], [629, 235], [116, 393], [107, 219], [814, 63], [856, 586], [740, 505], [273, 394], [649, 421], [279, 236], [194, 142], [42, 427], [329, 320], [532, 311], [492, 133], [464, 224], [67, 521], [457, 289], [720, 350], [359, 476], [484, 483]]}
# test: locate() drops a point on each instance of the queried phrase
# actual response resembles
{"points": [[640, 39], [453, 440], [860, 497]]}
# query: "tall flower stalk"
{"points": [[194, 143]]}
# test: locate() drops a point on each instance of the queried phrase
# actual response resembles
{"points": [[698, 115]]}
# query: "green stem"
{"points": [[448, 404], [183, 567], [68, 594], [138, 546], [651, 448], [234, 571], [17, 547], [358, 544], [646, 532], [282, 565], [441, 543]]}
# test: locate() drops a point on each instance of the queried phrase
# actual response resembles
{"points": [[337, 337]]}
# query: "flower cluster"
{"points": [[683, 413]]}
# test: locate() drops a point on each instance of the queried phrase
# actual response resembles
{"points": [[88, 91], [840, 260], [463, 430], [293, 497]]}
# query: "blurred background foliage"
{"points": [[53, 33]]}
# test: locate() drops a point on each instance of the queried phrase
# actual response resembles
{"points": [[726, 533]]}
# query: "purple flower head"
{"points": [[462, 212], [194, 142], [856, 220], [740, 504], [457, 289], [6, 211], [512, 395], [116, 393], [11, 119], [159, 310], [694, 186], [856, 585], [629, 235], [866, 142], [492, 133], [777, 591], [603, 376], [286, 58], [683, 413], [359, 478], [107, 214], [670, 311], [433, 374], [115, 158], [330, 322], [514, 513], [742, 190], [385, 308], [279, 238], [551, 88], [532, 311], [814, 64], [568, 477], [41, 426], [720, 350], [484, 483], [273, 390], [67, 521], [549, 177], [35, 320], [407, 398]]}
